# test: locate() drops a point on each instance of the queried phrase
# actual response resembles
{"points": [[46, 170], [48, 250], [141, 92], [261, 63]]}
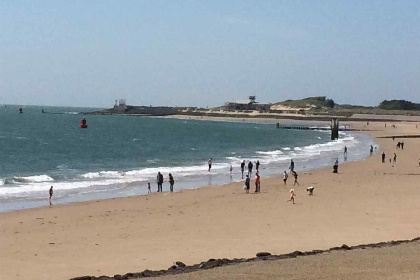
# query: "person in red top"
{"points": [[257, 183]]}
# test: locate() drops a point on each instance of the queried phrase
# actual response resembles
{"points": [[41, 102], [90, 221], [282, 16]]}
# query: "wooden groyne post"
{"points": [[334, 128]]}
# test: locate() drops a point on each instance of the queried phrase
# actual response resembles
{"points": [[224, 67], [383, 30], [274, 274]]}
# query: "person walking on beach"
{"points": [[292, 196], [292, 165], [285, 176], [246, 186], [210, 162], [51, 194], [250, 165], [231, 169], [243, 168], [171, 182], [257, 166], [149, 189], [371, 150], [159, 180], [257, 182], [345, 151], [383, 157], [395, 158], [402, 145], [296, 178]]}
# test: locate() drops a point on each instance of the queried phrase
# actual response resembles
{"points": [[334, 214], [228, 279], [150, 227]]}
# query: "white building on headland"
{"points": [[247, 104]]}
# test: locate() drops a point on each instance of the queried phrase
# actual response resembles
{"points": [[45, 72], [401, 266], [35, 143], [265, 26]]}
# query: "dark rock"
{"points": [[345, 247], [180, 264], [295, 254], [118, 277], [263, 254]]}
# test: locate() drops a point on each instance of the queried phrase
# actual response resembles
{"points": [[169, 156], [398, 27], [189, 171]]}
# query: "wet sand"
{"points": [[367, 202]]}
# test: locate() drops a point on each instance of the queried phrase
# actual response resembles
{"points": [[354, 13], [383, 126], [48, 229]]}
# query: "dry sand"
{"points": [[396, 262], [366, 202]]}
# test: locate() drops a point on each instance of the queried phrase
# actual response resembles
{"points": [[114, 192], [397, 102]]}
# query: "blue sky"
{"points": [[203, 53]]}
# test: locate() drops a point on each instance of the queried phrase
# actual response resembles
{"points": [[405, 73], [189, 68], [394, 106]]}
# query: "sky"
{"points": [[205, 53]]}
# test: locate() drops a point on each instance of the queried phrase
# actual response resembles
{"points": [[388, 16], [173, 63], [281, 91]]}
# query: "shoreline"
{"points": [[359, 205], [138, 188]]}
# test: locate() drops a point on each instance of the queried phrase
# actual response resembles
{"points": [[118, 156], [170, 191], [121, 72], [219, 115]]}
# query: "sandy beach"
{"points": [[366, 202]]}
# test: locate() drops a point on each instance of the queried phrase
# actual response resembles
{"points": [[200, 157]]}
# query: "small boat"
{"points": [[83, 123]]}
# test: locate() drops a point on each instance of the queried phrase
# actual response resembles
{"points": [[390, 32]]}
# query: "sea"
{"points": [[116, 156]]}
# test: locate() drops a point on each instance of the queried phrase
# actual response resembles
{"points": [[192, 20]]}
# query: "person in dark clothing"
{"points": [[371, 150], [242, 168], [402, 145], [159, 180], [292, 165], [51, 194], [395, 157], [171, 182], [383, 157], [250, 165], [257, 166], [247, 184]]}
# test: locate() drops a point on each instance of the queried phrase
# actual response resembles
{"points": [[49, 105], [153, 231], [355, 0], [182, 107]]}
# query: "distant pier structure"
{"points": [[335, 123], [335, 127]]}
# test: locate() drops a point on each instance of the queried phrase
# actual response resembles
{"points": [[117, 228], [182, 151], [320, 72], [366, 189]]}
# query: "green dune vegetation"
{"points": [[399, 105]]}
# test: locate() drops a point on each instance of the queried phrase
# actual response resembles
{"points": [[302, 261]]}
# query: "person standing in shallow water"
{"points": [[171, 182], [51, 195], [257, 166], [292, 165], [210, 161], [243, 168], [159, 180], [250, 165]]}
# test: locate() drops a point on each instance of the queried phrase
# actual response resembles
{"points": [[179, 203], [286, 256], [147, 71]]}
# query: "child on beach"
{"points": [[231, 169], [292, 196], [149, 189], [285, 177]]}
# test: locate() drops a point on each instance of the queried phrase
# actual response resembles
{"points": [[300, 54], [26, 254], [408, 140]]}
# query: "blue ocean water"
{"points": [[118, 155]]}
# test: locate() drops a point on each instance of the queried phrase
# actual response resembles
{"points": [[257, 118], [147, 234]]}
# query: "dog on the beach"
{"points": [[310, 189]]}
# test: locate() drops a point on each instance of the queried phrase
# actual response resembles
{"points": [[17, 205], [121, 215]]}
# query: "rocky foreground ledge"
{"points": [[180, 267]]}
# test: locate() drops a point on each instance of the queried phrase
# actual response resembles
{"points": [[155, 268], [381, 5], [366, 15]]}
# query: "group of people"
{"points": [[400, 145], [250, 167], [247, 183], [159, 181]]}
